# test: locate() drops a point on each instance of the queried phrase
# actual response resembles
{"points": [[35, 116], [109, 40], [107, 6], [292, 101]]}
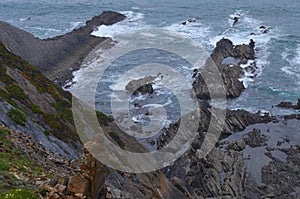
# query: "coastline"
{"points": [[57, 57]]}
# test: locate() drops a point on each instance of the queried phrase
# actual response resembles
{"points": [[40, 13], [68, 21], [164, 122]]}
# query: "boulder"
{"points": [[142, 86]]}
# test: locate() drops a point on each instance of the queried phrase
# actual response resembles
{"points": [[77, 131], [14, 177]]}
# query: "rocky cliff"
{"points": [[32, 104], [58, 57], [228, 60]]}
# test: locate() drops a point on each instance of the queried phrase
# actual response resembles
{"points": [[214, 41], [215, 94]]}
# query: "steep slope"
{"points": [[31, 103]]}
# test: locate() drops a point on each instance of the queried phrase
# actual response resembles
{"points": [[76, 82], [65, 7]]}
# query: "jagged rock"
{"points": [[87, 181], [236, 120], [289, 105], [180, 185], [229, 74], [255, 139], [236, 146]]}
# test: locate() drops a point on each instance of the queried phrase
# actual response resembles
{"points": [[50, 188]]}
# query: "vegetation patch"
{"points": [[61, 123], [13, 156], [46, 133], [17, 116], [64, 111], [16, 92], [19, 194], [35, 109], [117, 138], [103, 119]]}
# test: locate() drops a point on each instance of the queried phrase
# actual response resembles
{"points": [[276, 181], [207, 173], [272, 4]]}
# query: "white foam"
{"points": [[194, 30], [43, 29], [25, 19], [293, 58], [74, 25], [240, 34]]}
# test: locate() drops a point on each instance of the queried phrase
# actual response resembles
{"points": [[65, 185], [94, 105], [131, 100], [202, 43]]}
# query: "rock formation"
{"points": [[289, 105], [142, 86], [230, 72]]}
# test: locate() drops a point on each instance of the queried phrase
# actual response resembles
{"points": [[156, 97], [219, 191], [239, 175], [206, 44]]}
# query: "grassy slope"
{"points": [[61, 124], [14, 159]]}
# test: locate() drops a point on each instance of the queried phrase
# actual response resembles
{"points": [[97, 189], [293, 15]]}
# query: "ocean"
{"points": [[278, 52]]}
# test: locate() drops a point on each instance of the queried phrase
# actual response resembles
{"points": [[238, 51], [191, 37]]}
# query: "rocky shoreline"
{"points": [[58, 57], [256, 155]]}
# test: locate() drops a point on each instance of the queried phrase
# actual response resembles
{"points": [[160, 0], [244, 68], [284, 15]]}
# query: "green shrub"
{"points": [[4, 166], [16, 92], [64, 111], [17, 116], [43, 192], [46, 133], [36, 109], [19, 194], [103, 119]]}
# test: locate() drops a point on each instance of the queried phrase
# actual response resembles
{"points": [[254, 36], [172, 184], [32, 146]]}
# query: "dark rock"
{"points": [[289, 105], [255, 139], [236, 146], [252, 43], [236, 120], [142, 86], [147, 88], [230, 75], [235, 20]]}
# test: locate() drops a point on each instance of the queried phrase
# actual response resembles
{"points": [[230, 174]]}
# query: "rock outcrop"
{"points": [[142, 86], [289, 105], [259, 162], [58, 57], [88, 181], [228, 59], [236, 120]]}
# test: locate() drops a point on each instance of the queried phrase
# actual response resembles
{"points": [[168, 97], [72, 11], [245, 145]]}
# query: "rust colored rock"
{"points": [[78, 184]]}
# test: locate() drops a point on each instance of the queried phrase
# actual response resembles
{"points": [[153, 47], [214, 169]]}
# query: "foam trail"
{"points": [[293, 58]]}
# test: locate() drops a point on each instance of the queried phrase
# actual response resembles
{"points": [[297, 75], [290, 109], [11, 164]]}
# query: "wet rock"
{"points": [[142, 86], [289, 105], [236, 146], [230, 75], [255, 139]]}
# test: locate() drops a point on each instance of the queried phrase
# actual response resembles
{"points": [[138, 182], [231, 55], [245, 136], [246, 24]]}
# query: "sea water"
{"points": [[278, 52]]}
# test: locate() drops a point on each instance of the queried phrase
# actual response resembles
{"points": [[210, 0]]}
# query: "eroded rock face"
{"points": [[230, 73]]}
